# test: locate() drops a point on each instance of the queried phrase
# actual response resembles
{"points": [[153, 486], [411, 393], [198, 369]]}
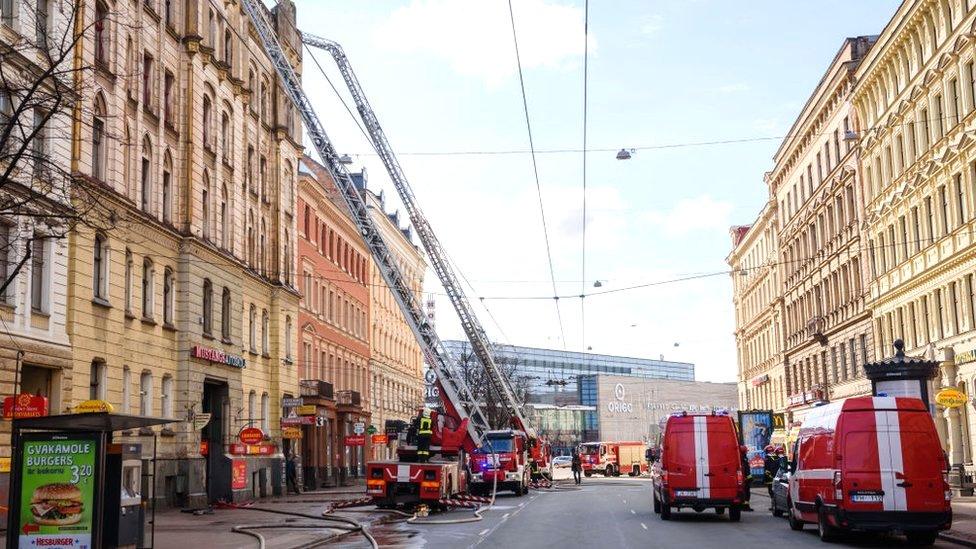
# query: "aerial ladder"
{"points": [[462, 427], [480, 344]]}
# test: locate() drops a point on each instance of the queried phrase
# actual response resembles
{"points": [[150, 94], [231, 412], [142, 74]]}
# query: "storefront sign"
{"points": [[291, 432], [93, 406], [355, 440], [305, 410], [380, 439], [964, 357], [217, 356], [4, 465], [57, 493], [950, 397], [201, 420], [292, 402], [204, 447], [251, 435], [24, 405], [298, 420], [759, 380], [779, 421], [238, 473], [252, 450]]}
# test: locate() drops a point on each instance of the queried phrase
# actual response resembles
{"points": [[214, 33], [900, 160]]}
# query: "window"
{"points": [[98, 139], [167, 188], [960, 193], [265, 412], [288, 337], [943, 210], [166, 400], [168, 17], [205, 210], [929, 220], [128, 280], [208, 133], [148, 288], [39, 275], [924, 129], [864, 349], [148, 80], [168, 296], [4, 264], [939, 117], [102, 34], [225, 314], [224, 222], [126, 390], [212, 30], [146, 175], [265, 332], [225, 136], [253, 329], [207, 306], [7, 12], [252, 406], [96, 380], [954, 101], [100, 267], [145, 394], [228, 49], [169, 99]]}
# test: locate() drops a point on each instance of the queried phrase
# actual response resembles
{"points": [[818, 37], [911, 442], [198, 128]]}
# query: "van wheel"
{"points": [[587, 473], [922, 539], [608, 472], [826, 532], [795, 523], [665, 511], [735, 513]]}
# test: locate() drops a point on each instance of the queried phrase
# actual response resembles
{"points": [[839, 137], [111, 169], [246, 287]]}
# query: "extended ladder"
{"points": [[457, 393]]}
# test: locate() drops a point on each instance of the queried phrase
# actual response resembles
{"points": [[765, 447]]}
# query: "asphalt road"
{"points": [[608, 514]]}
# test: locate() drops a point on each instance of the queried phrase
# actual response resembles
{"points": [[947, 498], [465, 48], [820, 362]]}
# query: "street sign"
{"points": [[291, 402], [305, 410], [298, 420], [201, 420], [371, 429], [355, 440], [380, 439], [320, 421], [291, 432], [359, 427]]}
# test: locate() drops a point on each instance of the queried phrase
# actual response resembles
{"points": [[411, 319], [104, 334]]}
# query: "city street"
{"points": [[607, 513]]}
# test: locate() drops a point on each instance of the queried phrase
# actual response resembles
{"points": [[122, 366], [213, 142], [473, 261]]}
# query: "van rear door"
{"points": [[723, 458], [919, 475]]}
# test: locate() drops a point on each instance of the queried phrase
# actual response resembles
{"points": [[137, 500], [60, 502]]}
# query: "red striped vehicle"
{"points": [[870, 464], [700, 466]]}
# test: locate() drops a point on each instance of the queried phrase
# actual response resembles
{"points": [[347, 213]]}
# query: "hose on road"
{"points": [[346, 523]]}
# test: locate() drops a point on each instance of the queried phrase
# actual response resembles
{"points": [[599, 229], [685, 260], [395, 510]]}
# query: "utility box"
{"points": [[124, 527]]}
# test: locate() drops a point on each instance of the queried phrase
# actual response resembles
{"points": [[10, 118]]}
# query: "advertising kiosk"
{"points": [[71, 487]]}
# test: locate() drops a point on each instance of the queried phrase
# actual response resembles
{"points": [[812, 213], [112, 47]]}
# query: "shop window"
{"points": [[97, 380], [145, 394]]}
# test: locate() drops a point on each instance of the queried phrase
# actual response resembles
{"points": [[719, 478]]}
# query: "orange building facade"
{"points": [[333, 267]]}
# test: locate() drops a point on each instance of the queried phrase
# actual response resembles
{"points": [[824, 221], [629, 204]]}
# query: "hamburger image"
{"points": [[56, 504]]}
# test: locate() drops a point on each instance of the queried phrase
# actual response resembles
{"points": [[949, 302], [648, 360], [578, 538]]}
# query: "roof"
{"points": [[100, 421]]}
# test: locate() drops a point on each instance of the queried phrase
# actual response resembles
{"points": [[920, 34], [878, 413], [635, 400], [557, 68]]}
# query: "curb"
{"points": [[964, 542]]}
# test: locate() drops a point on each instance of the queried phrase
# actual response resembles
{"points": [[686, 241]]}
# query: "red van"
{"points": [[870, 464], [699, 466]]}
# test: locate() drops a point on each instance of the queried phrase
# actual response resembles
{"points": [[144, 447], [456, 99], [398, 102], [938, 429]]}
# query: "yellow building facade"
{"points": [[186, 305]]}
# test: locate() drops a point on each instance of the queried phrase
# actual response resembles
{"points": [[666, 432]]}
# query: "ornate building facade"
{"points": [[186, 305]]}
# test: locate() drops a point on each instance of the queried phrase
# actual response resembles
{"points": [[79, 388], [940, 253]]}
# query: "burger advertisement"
{"points": [[57, 493]]}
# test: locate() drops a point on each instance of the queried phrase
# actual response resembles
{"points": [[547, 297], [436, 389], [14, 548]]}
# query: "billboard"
{"points": [[755, 433]]}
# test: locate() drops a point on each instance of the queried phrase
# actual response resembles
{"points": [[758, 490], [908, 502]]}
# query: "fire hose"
{"points": [[347, 524]]}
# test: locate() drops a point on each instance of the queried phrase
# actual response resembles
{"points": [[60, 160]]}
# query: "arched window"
{"points": [[205, 206], [169, 17], [252, 328], [225, 314], [148, 288], [166, 399], [228, 49], [265, 332], [207, 306], [208, 131], [224, 221], [225, 137], [265, 412], [168, 296], [146, 174], [212, 30], [145, 393], [128, 280], [99, 147], [167, 188], [100, 267]]}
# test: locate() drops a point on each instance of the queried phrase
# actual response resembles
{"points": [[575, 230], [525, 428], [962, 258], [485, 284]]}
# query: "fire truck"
{"points": [[503, 461], [431, 466], [599, 457]]}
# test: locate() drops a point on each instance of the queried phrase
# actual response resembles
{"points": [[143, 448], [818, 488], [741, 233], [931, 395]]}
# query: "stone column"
{"points": [[954, 419]]}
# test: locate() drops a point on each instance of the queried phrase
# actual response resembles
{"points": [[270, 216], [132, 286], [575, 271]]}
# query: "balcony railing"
{"points": [[316, 388], [349, 398]]}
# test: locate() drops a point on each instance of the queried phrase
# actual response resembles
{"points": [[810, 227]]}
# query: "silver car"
{"points": [[562, 461]]}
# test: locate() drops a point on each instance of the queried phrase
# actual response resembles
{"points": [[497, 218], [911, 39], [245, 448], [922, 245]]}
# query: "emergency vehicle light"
{"points": [[682, 413]]}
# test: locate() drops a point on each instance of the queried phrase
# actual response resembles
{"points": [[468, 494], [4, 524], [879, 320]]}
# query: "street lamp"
{"points": [[345, 159], [598, 283], [625, 154]]}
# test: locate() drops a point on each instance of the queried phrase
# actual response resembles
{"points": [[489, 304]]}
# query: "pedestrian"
{"points": [[771, 467], [747, 476], [291, 472], [577, 468]]}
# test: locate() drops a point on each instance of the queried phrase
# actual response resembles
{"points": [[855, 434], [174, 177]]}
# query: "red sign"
{"points": [[356, 440], [251, 435], [204, 447], [24, 405], [380, 439], [252, 450], [218, 356], [238, 474], [298, 420]]}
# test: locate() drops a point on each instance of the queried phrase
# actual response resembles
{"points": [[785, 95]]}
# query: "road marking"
{"points": [[625, 501], [632, 512], [644, 526], [485, 531], [505, 516]]}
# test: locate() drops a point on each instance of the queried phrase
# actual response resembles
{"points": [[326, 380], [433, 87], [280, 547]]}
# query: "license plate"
{"points": [[867, 498], [685, 493]]}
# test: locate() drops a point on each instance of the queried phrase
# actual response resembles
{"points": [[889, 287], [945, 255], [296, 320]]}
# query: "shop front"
{"points": [[351, 437], [311, 418]]}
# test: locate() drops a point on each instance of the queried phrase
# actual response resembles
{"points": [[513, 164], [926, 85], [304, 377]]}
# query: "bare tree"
{"points": [[484, 391], [41, 196]]}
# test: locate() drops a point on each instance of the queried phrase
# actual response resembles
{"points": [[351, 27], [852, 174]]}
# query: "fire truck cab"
{"points": [[870, 464], [503, 459], [599, 457]]}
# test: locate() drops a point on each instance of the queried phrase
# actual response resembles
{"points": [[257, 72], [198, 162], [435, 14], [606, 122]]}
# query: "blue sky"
{"points": [[441, 76]]}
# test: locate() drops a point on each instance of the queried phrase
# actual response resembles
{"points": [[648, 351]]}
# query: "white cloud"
{"points": [[702, 213], [475, 37], [733, 88]]}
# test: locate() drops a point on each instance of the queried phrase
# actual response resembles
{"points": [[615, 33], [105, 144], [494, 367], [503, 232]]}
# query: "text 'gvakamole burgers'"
{"points": [[56, 504]]}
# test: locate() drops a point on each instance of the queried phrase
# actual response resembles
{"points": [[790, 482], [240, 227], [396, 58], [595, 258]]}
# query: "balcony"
{"points": [[316, 388], [815, 329], [349, 398]]}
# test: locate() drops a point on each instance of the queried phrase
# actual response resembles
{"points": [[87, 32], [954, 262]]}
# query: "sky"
{"points": [[441, 76]]}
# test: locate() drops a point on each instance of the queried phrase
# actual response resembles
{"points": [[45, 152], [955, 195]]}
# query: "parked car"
{"points": [[870, 464], [560, 462]]}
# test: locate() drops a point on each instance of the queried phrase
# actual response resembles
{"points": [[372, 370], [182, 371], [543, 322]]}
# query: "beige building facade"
{"points": [[186, 305], [396, 361], [915, 109]]}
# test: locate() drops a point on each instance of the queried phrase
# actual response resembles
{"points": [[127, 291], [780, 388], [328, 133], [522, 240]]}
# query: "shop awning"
{"points": [[99, 421]]}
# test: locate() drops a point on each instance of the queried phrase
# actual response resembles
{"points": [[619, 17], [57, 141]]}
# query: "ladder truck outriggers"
{"points": [[434, 467]]}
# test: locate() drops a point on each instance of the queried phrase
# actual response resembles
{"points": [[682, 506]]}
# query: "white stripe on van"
{"points": [[701, 456], [889, 455]]}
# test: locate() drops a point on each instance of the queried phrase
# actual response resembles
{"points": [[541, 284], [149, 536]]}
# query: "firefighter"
{"points": [[577, 468], [424, 432], [747, 476], [771, 466]]}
